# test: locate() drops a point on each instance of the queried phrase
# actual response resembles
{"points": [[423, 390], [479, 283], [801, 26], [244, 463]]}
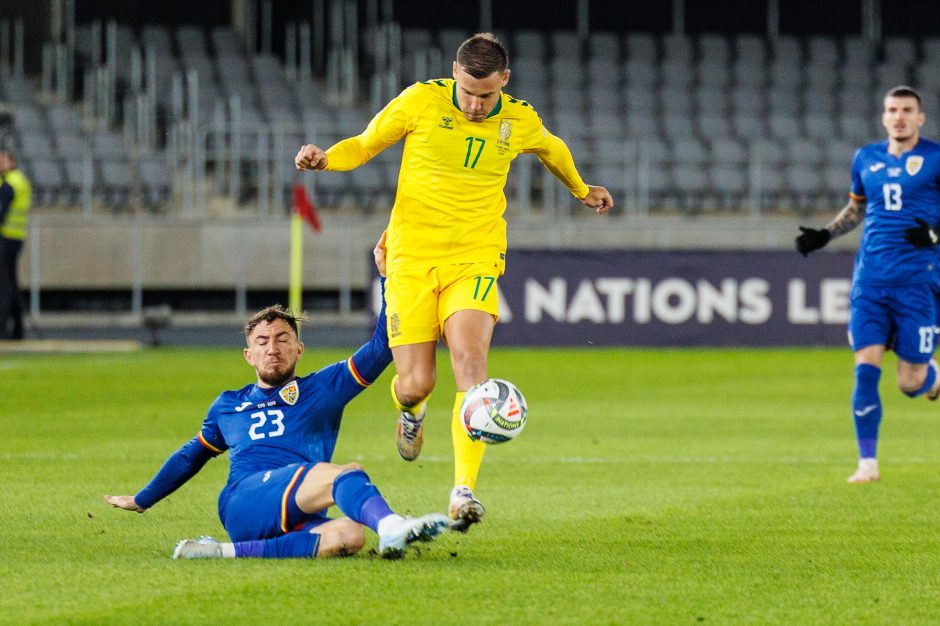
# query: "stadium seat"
{"points": [[711, 75], [820, 126], [528, 44], [28, 118], [48, 181], [714, 49], [822, 51], [770, 186], [818, 101], [748, 100], [603, 73], [115, 183], [606, 125], [678, 126], [673, 101], [155, 181], [191, 41], [108, 145], [641, 73], [729, 183], [614, 151], [565, 44], [677, 75], [930, 49], [856, 49], [71, 146], [803, 186], [36, 144], [899, 50], [855, 128], [640, 100], [604, 46], [839, 152], [688, 151], [640, 46], [450, 39], [748, 126], [784, 126], [677, 50], [786, 50], [728, 151], [804, 152], [750, 48], [714, 127], [64, 119], [654, 152], [767, 153], [749, 74], [692, 185]]}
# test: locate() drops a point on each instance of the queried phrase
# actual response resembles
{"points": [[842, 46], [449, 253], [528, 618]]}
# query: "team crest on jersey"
{"points": [[505, 130], [290, 393], [913, 164]]}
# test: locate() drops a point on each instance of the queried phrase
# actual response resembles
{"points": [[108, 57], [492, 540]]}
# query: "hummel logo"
{"points": [[876, 167], [244, 406], [868, 409]]}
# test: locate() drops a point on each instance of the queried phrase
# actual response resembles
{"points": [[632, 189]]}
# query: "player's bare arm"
{"points": [[849, 217], [124, 502], [598, 198], [311, 157]]}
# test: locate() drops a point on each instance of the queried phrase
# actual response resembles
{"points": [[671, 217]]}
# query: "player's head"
{"points": [[481, 71], [903, 114], [274, 346]]}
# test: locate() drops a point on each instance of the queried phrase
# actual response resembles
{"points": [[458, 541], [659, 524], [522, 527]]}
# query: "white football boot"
{"points": [[410, 432], [934, 392], [394, 541], [867, 472], [465, 509], [202, 548]]}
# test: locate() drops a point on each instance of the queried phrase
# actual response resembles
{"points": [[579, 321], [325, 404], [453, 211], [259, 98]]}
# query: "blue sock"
{"points": [[866, 408], [300, 544], [359, 499], [929, 380]]}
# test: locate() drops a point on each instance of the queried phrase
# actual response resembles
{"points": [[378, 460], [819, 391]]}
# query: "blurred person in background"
{"points": [[15, 195]]}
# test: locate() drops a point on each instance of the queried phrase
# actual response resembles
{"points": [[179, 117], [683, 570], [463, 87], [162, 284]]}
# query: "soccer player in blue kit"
{"points": [[281, 432], [896, 191]]}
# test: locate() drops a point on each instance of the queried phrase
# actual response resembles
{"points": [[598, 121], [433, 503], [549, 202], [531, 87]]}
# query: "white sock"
{"points": [[228, 550], [387, 521]]}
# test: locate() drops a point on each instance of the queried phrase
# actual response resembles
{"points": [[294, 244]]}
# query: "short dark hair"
{"points": [[482, 54], [903, 91], [276, 312]]}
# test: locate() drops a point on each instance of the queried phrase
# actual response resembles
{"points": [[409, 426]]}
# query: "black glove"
{"points": [[812, 239], [923, 235]]}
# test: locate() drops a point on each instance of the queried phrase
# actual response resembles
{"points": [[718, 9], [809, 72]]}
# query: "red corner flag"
{"points": [[306, 209]]}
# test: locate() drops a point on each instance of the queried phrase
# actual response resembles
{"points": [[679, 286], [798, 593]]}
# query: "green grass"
{"points": [[662, 487]]}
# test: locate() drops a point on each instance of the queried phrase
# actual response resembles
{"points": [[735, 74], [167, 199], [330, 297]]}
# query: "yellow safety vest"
{"points": [[14, 227]]}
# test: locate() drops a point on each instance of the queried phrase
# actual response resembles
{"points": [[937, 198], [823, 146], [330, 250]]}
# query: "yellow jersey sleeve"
{"points": [[556, 157], [388, 127]]}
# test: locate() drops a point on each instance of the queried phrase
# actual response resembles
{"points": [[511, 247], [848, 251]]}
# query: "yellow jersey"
{"points": [[449, 204]]}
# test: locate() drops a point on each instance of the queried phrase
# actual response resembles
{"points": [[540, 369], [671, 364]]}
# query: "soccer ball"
{"points": [[493, 411]]}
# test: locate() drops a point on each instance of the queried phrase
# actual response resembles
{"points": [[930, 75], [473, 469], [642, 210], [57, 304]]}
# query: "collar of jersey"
{"points": [[499, 103]]}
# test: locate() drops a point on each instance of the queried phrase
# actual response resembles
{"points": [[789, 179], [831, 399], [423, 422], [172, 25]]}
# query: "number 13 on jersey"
{"points": [[892, 192]]}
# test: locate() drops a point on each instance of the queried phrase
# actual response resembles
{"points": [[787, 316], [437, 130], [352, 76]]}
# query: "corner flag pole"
{"points": [[304, 211], [296, 285]]}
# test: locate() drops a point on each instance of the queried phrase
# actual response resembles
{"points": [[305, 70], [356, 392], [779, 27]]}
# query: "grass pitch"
{"points": [[663, 487]]}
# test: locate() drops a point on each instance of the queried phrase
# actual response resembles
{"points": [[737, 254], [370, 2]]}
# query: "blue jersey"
{"points": [[265, 429], [269, 428], [897, 190]]}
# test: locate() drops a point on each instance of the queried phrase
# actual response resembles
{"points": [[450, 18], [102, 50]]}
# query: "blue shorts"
{"points": [[263, 505], [901, 318]]}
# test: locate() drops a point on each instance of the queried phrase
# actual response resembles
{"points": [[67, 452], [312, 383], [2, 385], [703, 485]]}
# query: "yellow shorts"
{"points": [[419, 301]]}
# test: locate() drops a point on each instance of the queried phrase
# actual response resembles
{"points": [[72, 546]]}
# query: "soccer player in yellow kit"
{"points": [[446, 239]]}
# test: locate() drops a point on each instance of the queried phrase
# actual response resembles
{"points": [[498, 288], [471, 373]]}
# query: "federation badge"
{"points": [[505, 130], [913, 164], [290, 393]]}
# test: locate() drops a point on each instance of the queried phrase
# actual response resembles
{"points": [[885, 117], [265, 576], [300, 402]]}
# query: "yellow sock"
{"points": [[468, 454], [402, 407]]}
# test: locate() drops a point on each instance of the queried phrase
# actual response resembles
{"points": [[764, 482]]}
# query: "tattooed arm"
{"points": [[848, 218]]}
